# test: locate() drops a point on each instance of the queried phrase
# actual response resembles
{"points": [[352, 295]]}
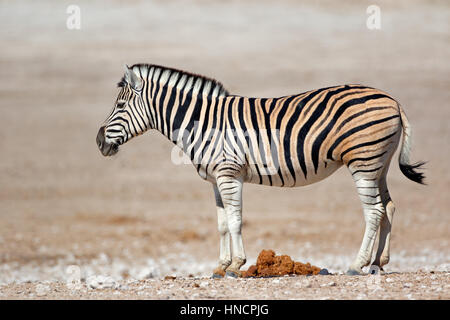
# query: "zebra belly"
{"points": [[257, 174]]}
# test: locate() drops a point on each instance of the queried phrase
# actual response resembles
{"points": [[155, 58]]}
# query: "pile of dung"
{"points": [[270, 265]]}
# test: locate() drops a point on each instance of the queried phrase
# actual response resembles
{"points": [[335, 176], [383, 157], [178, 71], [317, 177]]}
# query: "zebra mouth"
{"points": [[110, 149]]}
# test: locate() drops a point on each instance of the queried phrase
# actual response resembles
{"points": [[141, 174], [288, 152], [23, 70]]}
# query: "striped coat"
{"points": [[286, 142]]}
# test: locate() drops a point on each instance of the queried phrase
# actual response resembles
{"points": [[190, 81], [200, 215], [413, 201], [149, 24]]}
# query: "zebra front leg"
{"points": [[225, 244], [374, 211], [230, 190]]}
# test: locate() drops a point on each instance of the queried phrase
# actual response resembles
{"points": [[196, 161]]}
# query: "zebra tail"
{"points": [[408, 169]]}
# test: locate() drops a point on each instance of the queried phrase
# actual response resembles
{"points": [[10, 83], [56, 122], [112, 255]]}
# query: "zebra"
{"points": [[290, 141]]}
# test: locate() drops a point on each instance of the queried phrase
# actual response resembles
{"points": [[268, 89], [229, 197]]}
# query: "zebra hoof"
{"points": [[353, 272], [231, 274], [216, 276]]}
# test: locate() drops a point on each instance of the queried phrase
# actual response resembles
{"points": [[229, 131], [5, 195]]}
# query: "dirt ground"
{"points": [[76, 225], [410, 285]]}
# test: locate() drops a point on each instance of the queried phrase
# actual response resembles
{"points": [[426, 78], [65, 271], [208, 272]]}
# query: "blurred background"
{"points": [[138, 215]]}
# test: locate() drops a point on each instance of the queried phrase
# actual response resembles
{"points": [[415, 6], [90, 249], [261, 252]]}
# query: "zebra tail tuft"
{"points": [[409, 169]]}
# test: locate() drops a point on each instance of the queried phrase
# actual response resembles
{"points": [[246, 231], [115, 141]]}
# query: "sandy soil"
{"points": [[129, 221], [409, 285]]}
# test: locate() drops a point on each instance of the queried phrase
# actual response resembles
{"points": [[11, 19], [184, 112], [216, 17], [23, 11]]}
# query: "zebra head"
{"points": [[129, 117]]}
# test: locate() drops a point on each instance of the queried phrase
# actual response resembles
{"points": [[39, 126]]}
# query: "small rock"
{"points": [[100, 282], [389, 280], [324, 272], [329, 284], [122, 287], [42, 290]]}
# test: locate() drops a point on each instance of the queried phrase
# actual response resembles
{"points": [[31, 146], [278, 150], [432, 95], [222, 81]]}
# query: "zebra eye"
{"points": [[121, 104]]}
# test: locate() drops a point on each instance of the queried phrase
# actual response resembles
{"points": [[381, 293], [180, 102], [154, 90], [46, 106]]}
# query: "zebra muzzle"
{"points": [[107, 149]]}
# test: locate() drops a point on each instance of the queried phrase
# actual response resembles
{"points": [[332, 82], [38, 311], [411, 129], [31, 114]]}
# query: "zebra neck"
{"points": [[181, 118]]}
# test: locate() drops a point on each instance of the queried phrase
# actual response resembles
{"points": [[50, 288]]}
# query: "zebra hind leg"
{"points": [[382, 255], [367, 184]]}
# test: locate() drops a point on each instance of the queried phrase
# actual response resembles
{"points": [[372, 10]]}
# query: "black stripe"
{"points": [[135, 114], [195, 116], [170, 105], [233, 127], [150, 109], [269, 133], [365, 144], [256, 128], [155, 107], [180, 114], [280, 117], [355, 130], [204, 125], [368, 195], [124, 120], [353, 116], [367, 170], [364, 159], [162, 97]]}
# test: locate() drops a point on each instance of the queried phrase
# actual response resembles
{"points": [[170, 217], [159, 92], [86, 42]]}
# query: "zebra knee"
{"points": [[234, 222], [223, 228], [222, 222], [373, 218]]}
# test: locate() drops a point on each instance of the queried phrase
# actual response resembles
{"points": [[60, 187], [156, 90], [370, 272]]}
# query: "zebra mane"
{"points": [[183, 79]]}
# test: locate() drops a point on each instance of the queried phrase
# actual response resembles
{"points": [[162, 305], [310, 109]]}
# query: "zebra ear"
{"points": [[133, 79]]}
